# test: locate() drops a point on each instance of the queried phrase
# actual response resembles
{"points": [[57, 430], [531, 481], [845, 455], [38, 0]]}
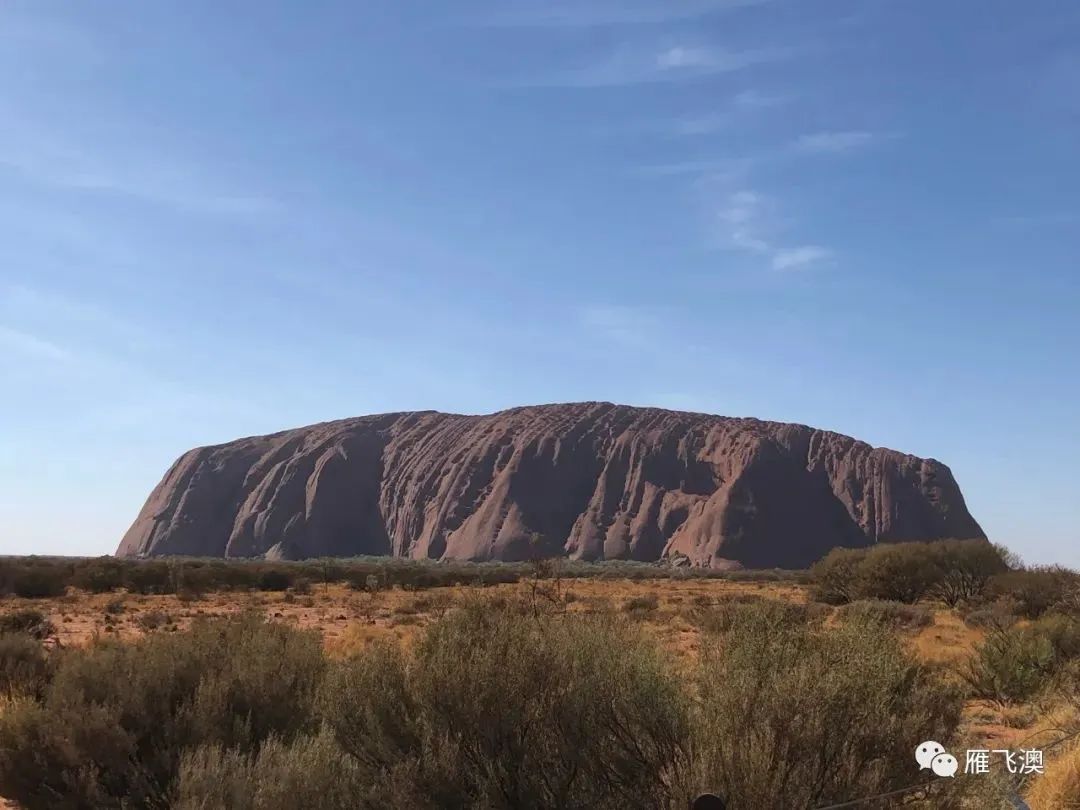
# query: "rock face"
{"points": [[591, 481]]}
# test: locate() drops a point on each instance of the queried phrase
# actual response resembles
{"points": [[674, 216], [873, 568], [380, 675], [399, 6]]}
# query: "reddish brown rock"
{"points": [[589, 481]]}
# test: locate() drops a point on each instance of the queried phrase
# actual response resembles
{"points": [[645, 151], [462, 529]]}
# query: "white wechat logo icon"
{"points": [[933, 755], [944, 765]]}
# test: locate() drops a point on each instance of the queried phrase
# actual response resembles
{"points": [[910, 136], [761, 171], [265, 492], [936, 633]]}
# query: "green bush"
{"points": [[1017, 662], [897, 615], [725, 614], [311, 772], [152, 620], [148, 577], [1035, 591], [25, 669], [1011, 665], [964, 569], [301, 586], [275, 580], [29, 622], [833, 576], [899, 572], [495, 710], [801, 716], [39, 582], [113, 722], [997, 615], [99, 576], [641, 604], [1063, 633], [954, 571]]}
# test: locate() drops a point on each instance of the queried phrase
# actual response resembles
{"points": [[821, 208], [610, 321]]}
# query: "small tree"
{"points": [[902, 572], [964, 567], [833, 576]]}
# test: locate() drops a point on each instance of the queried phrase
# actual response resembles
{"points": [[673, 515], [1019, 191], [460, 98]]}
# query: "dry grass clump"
{"points": [[1059, 787]]}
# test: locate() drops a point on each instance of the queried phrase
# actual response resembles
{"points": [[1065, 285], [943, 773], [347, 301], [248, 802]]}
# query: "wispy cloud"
{"points": [[744, 106], [630, 66], [625, 325], [38, 156], [750, 99], [596, 13], [726, 170], [741, 220], [746, 221], [1050, 218], [32, 345], [833, 143], [798, 257], [42, 309]]}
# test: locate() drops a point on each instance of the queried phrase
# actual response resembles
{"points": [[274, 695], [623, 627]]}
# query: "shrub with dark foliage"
{"points": [[954, 571], [503, 711], [798, 716], [111, 727]]}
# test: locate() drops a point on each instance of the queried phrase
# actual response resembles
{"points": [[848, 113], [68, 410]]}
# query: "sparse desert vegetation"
{"points": [[198, 684]]}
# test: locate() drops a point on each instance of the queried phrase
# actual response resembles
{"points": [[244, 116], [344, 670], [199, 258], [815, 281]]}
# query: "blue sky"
{"points": [[226, 218]]}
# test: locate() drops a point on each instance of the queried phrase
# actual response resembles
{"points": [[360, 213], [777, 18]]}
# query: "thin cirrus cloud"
{"points": [[34, 155], [746, 222], [625, 325], [31, 345], [833, 143], [798, 257], [670, 64], [578, 14], [746, 105]]}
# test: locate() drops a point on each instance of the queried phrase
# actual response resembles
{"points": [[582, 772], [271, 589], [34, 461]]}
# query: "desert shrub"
{"points": [[114, 607], [1034, 591], [815, 612], [964, 568], [152, 619], [186, 593], [25, 668], [645, 603], [718, 619], [28, 622], [101, 575], [954, 571], [723, 616], [1010, 665], [998, 614], [312, 771], [275, 580], [39, 582], [900, 572], [148, 576], [113, 722], [301, 586], [1063, 633], [431, 603], [800, 716], [897, 615], [742, 598], [833, 576], [496, 710]]}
